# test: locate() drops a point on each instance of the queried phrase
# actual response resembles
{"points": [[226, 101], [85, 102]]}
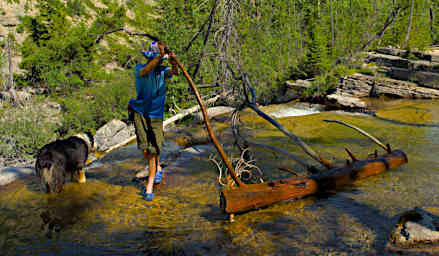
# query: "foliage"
{"points": [[89, 108], [23, 132], [61, 49]]}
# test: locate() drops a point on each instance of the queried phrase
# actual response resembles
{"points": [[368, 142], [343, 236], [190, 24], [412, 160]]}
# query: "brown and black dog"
{"points": [[60, 158]]}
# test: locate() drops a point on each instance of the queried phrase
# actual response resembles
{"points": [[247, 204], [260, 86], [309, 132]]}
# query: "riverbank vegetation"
{"points": [[72, 50]]}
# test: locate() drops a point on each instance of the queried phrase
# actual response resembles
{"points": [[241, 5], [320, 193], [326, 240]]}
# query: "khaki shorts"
{"points": [[149, 133]]}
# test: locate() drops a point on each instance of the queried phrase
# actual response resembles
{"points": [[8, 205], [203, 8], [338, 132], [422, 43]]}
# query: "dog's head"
{"points": [[51, 180], [88, 139]]}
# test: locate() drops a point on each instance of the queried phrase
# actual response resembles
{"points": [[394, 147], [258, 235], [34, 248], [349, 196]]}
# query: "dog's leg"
{"points": [[81, 176]]}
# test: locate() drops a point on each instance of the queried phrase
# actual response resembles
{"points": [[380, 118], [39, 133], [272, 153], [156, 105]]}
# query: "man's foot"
{"points": [[158, 177], [147, 196]]}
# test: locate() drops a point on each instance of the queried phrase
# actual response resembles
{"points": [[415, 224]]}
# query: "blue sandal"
{"points": [[158, 177], [147, 196]]}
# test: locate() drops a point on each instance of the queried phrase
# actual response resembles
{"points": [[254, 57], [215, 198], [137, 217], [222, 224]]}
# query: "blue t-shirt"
{"points": [[151, 92]]}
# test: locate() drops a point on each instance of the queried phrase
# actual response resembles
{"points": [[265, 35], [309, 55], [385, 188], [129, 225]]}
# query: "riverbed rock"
{"points": [[292, 90], [345, 100], [11, 173], [112, 133], [213, 112], [416, 231]]}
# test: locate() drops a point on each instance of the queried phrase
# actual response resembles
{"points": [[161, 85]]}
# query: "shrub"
{"points": [[24, 133], [89, 108]]}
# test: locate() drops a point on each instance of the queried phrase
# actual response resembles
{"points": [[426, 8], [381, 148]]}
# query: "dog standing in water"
{"points": [[60, 158]]}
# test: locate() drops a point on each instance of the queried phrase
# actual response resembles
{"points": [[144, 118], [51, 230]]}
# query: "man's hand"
{"points": [[162, 47], [172, 57]]}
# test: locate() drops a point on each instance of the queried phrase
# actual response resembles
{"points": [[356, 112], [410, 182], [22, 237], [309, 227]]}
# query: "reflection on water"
{"points": [[107, 216]]}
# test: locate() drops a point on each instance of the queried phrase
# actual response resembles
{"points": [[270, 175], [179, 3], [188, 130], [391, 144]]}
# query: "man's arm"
{"points": [[154, 62]]}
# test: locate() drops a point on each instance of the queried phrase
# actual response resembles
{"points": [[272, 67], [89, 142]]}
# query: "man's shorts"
{"points": [[149, 133]]}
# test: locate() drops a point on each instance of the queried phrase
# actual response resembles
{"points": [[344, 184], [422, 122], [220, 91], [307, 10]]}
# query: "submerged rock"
{"points": [[417, 231]]}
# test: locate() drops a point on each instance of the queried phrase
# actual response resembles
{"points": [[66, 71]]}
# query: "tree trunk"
{"points": [[432, 32], [240, 199], [10, 79], [409, 26]]}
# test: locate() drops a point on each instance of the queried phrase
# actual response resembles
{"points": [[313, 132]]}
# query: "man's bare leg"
{"points": [[151, 158]]}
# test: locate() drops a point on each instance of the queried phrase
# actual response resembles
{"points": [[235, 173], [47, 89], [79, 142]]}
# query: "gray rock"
{"points": [[9, 174], [359, 86], [423, 78], [346, 100], [416, 228], [213, 112], [112, 133], [293, 90]]}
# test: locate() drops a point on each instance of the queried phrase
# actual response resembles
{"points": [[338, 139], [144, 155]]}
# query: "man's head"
{"points": [[154, 50]]}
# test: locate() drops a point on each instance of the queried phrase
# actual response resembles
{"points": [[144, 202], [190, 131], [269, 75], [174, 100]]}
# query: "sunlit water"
{"points": [[107, 216]]}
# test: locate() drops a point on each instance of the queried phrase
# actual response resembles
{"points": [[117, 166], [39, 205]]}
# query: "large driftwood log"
{"points": [[241, 199]]}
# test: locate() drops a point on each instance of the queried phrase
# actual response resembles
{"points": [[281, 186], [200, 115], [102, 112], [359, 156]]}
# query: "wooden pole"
{"points": [[209, 128]]}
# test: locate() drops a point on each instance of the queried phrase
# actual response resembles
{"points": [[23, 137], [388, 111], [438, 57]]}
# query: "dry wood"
{"points": [[241, 199], [387, 148], [209, 128], [238, 136], [252, 104], [390, 19]]}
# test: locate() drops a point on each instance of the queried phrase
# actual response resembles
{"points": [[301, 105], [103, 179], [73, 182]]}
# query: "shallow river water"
{"points": [[107, 216]]}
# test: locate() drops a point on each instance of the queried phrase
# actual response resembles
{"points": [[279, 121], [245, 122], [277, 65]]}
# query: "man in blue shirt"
{"points": [[149, 107]]}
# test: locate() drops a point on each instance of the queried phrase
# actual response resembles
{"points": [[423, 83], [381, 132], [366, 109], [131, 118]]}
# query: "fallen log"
{"points": [[241, 199]]}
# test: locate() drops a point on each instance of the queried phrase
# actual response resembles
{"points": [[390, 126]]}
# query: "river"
{"points": [[107, 216]]}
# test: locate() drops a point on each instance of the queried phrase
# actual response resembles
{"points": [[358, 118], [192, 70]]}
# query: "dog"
{"points": [[60, 158]]}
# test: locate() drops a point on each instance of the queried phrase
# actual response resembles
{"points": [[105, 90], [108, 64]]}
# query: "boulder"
{"points": [[213, 112], [112, 133], [292, 90], [346, 101], [416, 231], [9, 174]]}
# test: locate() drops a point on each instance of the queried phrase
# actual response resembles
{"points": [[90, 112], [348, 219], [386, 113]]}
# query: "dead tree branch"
{"points": [[379, 143], [394, 12], [237, 134], [252, 104]]}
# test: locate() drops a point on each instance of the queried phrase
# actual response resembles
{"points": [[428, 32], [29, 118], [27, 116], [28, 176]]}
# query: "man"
{"points": [[148, 109]]}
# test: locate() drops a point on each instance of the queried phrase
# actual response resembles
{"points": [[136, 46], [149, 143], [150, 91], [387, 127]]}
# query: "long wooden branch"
{"points": [[101, 36], [209, 128], [387, 148]]}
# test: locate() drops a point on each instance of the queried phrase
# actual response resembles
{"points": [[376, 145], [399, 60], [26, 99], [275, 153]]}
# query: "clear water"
{"points": [[107, 216]]}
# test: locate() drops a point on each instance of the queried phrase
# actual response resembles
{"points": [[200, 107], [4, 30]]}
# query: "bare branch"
{"points": [[387, 148]]}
